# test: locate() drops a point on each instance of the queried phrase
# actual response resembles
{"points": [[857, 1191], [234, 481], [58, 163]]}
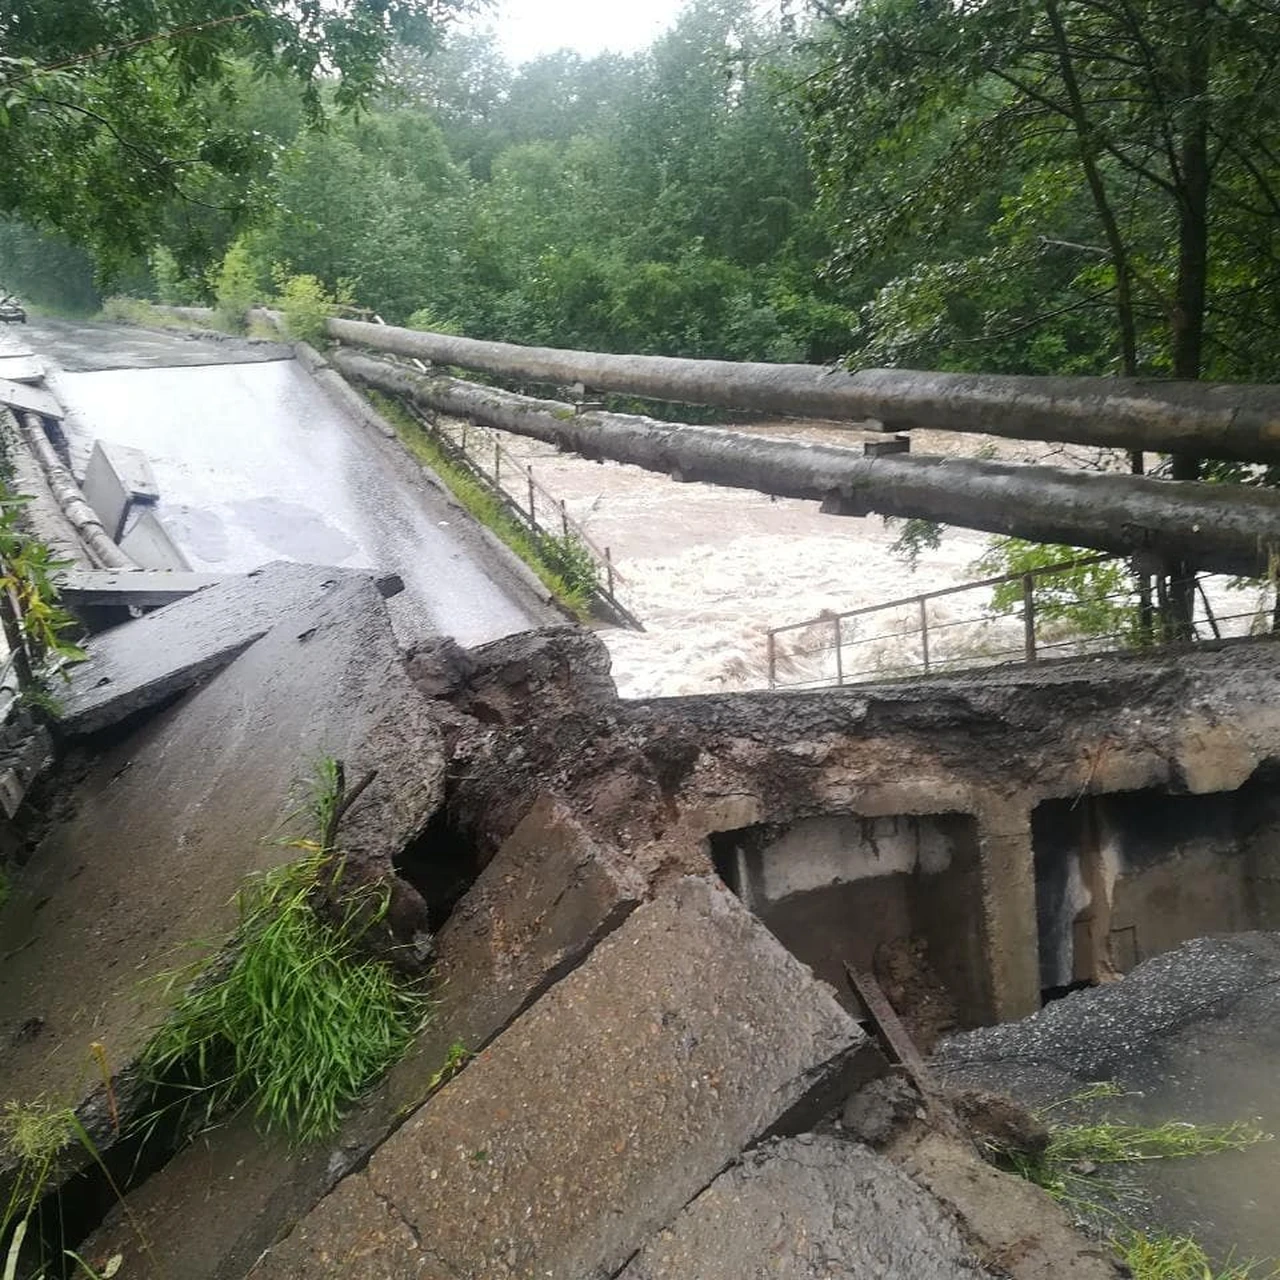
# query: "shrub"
{"points": [[306, 305], [237, 286]]}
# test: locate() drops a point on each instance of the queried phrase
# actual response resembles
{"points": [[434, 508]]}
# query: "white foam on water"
{"points": [[709, 570]]}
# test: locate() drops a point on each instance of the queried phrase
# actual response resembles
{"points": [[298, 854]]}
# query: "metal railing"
{"points": [[473, 447], [481, 453], [1013, 618]]}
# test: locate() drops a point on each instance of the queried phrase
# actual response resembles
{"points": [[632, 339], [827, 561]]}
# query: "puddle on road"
{"points": [[295, 531]]}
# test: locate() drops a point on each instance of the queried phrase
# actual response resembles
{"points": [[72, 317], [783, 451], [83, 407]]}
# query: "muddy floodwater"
{"points": [[709, 570]]}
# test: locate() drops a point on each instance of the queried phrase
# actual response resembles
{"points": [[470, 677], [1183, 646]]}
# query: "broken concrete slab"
{"points": [[147, 542], [21, 368], [22, 398], [139, 588], [171, 819], [808, 1206], [143, 663], [118, 476], [539, 907], [593, 1119]]}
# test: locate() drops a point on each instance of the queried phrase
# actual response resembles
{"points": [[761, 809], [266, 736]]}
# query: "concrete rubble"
{"points": [[142, 868], [592, 1120], [812, 1208], [139, 666], [537, 910], [645, 1063]]}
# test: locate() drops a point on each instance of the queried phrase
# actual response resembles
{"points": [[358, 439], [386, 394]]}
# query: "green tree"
{"points": [[1131, 139], [105, 114]]}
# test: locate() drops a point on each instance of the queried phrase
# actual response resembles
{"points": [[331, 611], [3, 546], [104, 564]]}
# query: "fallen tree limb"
{"points": [[1210, 420], [1222, 528]]}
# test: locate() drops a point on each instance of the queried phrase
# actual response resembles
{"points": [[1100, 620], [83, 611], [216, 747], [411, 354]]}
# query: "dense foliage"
{"points": [[1057, 185], [114, 114], [1069, 186]]}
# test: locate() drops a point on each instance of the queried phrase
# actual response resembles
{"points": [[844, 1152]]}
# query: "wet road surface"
{"points": [[255, 463]]}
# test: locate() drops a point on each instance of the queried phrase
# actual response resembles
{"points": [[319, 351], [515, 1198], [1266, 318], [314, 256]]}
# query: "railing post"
{"points": [[497, 461], [1208, 612], [533, 515], [773, 668], [608, 568], [924, 632], [564, 518], [839, 657], [465, 423], [1029, 615]]}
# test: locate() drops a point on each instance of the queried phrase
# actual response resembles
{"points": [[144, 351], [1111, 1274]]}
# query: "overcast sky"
{"points": [[527, 28]]}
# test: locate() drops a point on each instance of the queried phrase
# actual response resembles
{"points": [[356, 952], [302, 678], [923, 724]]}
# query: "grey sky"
{"points": [[527, 28]]}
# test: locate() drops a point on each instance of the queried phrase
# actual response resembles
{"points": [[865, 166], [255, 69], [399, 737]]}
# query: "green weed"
{"points": [[1079, 1169], [33, 1134], [542, 554], [457, 1058], [1168, 1257], [297, 1023]]}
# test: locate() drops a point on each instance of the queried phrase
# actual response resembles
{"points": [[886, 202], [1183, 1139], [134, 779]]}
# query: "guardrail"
{"points": [[1013, 618], [512, 482], [528, 501]]}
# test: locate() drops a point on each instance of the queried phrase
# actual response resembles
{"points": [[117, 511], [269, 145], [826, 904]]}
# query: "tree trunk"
{"points": [[1087, 146], [1193, 265], [1223, 528], [1221, 421]]}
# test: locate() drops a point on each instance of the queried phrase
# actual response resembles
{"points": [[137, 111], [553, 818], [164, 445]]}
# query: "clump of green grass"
{"points": [[33, 1134], [1082, 1168], [1074, 1166], [297, 1023], [1169, 1257], [554, 562]]}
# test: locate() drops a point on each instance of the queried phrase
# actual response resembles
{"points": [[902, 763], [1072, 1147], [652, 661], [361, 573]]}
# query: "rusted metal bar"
{"points": [[835, 622], [773, 660], [890, 1031], [924, 631]]}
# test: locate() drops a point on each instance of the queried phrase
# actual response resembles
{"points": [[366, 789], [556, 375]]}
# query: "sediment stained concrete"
{"points": [[809, 1206]]}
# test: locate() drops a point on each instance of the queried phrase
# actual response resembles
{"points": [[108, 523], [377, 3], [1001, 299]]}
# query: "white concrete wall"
{"points": [[838, 849]]}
